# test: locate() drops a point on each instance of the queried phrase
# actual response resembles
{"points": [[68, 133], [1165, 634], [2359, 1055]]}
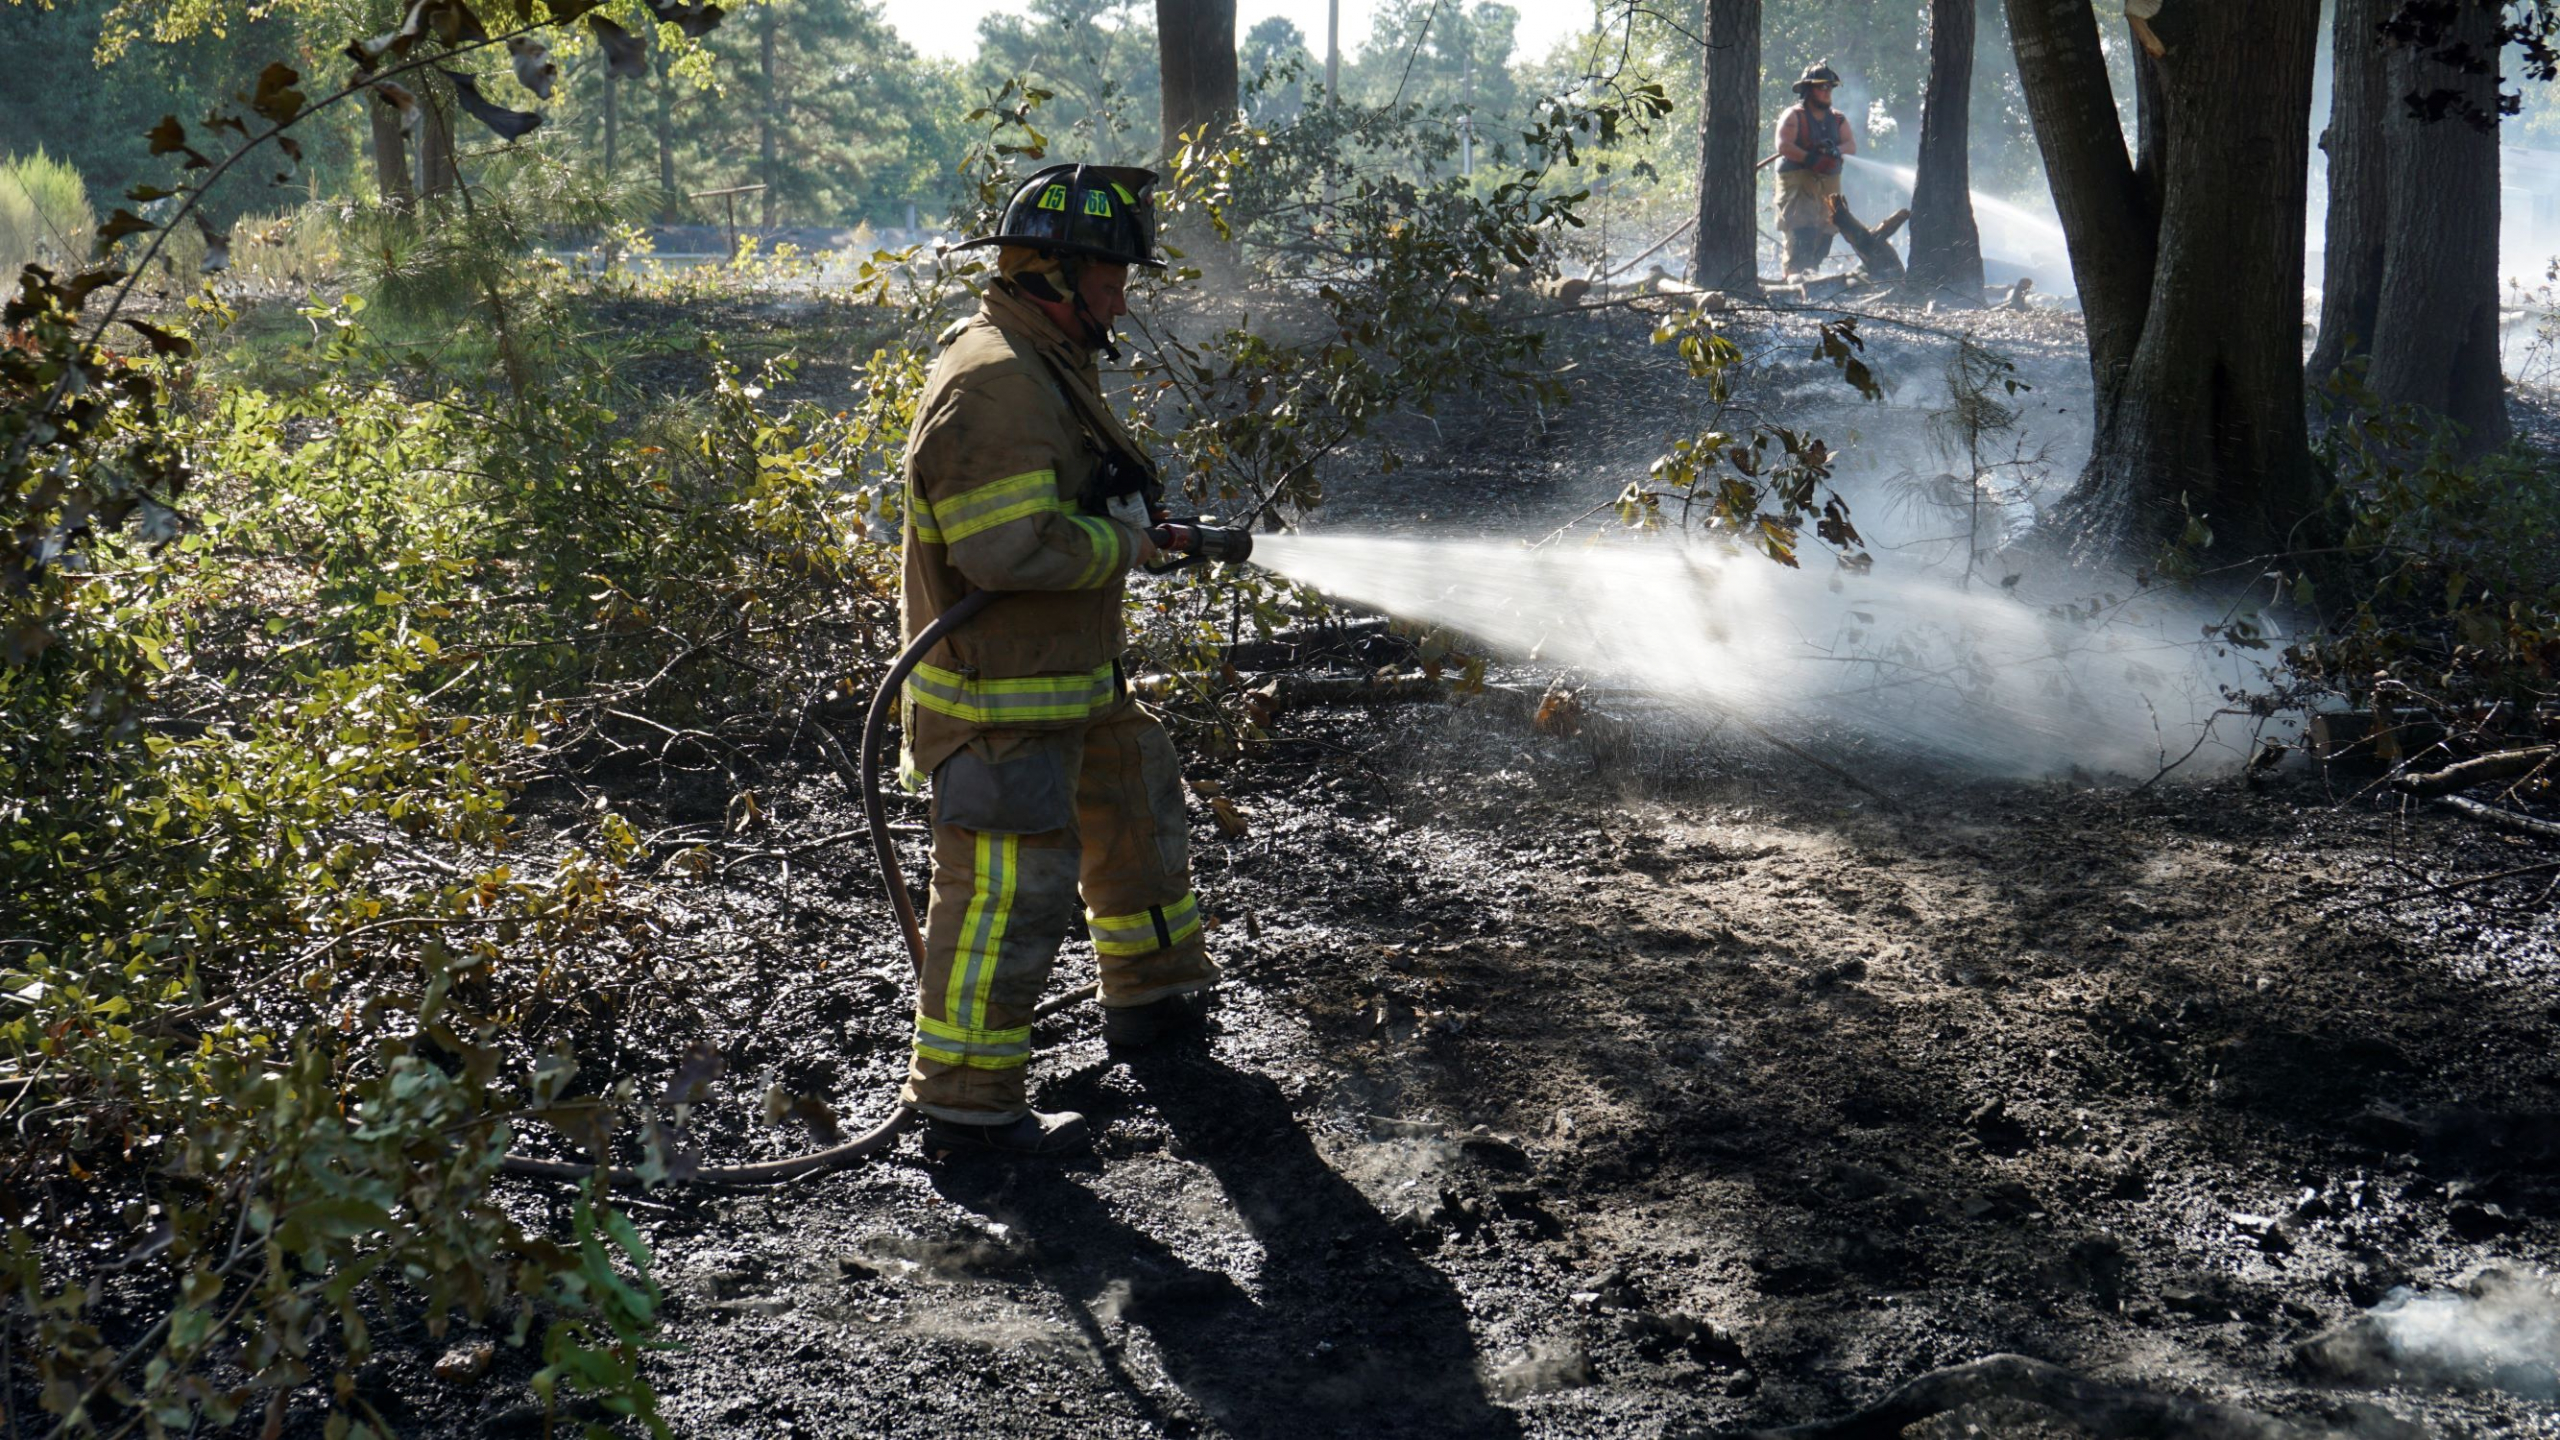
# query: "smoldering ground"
{"points": [[1650, 1096]]}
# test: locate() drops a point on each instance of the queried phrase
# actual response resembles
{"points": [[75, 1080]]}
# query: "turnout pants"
{"points": [[1804, 216], [1026, 823]]}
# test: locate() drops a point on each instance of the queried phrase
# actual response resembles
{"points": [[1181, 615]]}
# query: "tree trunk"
{"points": [[2435, 328], [768, 170], [2359, 189], [1946, 245], [1196, 46], [612, 124], [1196, 56], [2194, 311], [439, 174], [2112, 236], [1726, 249], [669, 202], [390, 157]]}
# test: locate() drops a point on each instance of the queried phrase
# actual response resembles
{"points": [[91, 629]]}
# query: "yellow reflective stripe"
{"points": [[1011, 848], [973, 1060], [987, 506], [1107, 542], [973, 970], [982, 1049], [1136, 934], [920, 517], [1023, 509], [1028, 700], [945, 1030]]}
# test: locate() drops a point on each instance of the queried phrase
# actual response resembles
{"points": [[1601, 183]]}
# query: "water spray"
{"points": [[1981, 676]]}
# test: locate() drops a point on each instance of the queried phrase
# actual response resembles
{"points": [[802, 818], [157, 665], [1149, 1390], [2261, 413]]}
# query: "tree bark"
{"points": [[669, 202], [1946, 245], [2435, 328], [767, 168], [2111, 235], [2359, 189], [1726, 249], [1196, 48], [439, 174], [390, 157], [2194, 310]]}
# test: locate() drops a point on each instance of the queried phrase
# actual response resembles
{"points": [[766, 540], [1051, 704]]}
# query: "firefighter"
{"points": [[1049, 784], [1812, 138]]}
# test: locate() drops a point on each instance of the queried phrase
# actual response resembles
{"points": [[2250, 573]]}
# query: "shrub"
{"points": [[45, 217]]}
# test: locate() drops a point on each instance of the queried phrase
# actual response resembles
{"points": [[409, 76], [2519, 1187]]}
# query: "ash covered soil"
{"points": [[1560, 1101], [1648, 1094]]}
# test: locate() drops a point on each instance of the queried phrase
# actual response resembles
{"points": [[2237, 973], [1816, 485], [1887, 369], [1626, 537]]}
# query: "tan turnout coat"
{"points": [[999, 468]]}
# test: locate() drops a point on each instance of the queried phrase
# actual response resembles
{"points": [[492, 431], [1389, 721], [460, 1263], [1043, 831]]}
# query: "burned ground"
{"points": [[1693, 1092], [1655, 1092]]}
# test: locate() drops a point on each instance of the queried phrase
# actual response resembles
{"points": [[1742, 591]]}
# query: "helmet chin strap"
{"points": [[1099, 334]]}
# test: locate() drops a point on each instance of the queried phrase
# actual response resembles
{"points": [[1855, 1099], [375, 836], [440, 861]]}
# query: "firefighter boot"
{"points": [[1138, 1027], [1035, 1134]]}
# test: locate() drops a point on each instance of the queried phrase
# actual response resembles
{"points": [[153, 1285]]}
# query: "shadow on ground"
{"points": [[1343, 1331]]}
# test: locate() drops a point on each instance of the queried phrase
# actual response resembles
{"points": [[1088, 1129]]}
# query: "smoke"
{"points": [[1980, 676], [2499, 1331]]}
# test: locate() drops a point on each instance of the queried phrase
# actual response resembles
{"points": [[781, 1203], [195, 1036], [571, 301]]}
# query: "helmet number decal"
{"points": [[1054, 198], [1096, 203]]}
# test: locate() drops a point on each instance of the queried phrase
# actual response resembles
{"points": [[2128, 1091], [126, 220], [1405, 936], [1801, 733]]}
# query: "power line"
{"points": [[1413, 50]]}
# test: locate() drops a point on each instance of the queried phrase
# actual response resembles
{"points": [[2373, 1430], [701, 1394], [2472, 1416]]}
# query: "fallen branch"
{"points": [[2111, 1412], [2498, 819], [2440, 887], [2502, 765]]}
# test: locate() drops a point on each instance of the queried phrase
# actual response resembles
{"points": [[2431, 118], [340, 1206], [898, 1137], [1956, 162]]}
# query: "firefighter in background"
{"points": [[1049, 784], [1812, 138]]}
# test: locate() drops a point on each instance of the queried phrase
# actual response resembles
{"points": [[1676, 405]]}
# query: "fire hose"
{"points": [[1185, 543]]}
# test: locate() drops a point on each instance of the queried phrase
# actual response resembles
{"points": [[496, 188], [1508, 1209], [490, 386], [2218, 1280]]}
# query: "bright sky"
{"points": [[949, 28]]}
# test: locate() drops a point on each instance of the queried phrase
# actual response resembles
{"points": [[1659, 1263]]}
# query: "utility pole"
{"points": [[1332, 49], [1332, 71], [1467, 103]]}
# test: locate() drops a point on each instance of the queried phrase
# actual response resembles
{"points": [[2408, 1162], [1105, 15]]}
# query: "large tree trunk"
{"points": [[1725, 253], [2435, 328], [2359, 188], [1946, 245], [390, 157], [2194, 310], [768, 170], [1196, 41], [2111, 234]]}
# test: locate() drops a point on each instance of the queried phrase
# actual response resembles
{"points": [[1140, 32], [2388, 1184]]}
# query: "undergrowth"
{"points": [[289, 622]]}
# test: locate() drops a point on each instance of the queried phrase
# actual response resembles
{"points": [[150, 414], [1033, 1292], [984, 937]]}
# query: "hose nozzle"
{"points": [[1189, 542]]}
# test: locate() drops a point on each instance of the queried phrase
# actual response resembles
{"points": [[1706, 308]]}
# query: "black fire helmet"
{"points": [[1099, 212]]}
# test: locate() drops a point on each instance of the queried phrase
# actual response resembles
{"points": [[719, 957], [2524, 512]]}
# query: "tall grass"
{"points": [[44, 214]]}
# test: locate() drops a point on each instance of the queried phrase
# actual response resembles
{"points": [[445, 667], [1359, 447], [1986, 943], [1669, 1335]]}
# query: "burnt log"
{"points": [[1883, 264]]}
